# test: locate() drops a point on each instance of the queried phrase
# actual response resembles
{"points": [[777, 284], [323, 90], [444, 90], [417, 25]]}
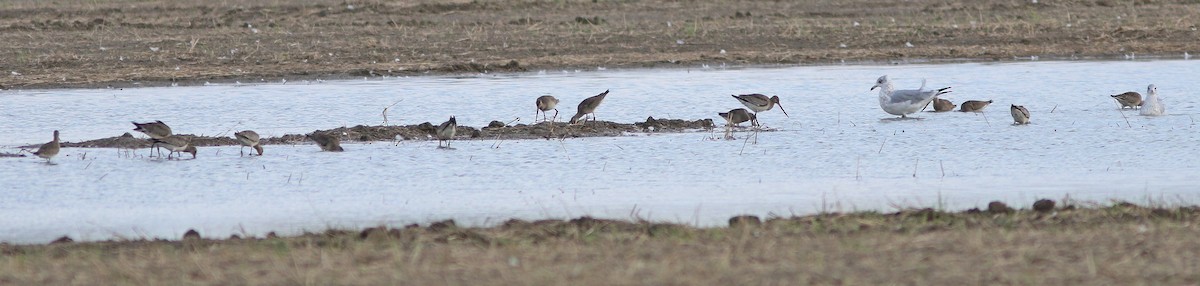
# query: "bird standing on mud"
{"points": [[156, 130], [588, 106], [907, 101], [546, 103], [248, 138], [48, 150], [1020, 114], [445, 132], [326, 141]]}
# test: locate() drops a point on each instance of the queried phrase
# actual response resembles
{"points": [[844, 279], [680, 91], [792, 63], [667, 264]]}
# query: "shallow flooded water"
{"points": [[836, 152]]}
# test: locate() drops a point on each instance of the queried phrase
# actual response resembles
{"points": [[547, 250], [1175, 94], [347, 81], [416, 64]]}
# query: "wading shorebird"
{"points": [[1128, 99], [48, 150], [1153, 105], [1020, 114], [445, 132], [588, 106], [759, 103], [546, 103], [327, 142], [974, 105], [175, 144], [737, 116], [942, 105], [156, 130], [248, 138], [907, 101]]}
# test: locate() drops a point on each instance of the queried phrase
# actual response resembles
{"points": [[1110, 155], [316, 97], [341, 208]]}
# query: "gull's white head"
{"points": [[1151, 90], [881, 82]]}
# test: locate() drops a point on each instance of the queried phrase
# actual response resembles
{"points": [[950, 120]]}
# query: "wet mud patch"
{"points": [[425, 131]]}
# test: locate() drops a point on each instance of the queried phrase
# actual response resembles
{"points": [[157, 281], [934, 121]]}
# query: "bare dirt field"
{"points": [[76, 43], [1118, 244]]}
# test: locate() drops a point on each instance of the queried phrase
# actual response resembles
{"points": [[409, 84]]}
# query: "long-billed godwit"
{"points": [[1020, 114], [156, 130], [588, 106], [327, 142], [759, 103], [175, 144], [248, 138], [445, 132], [974, 105], [1129, 99], [50, 149], [907, 101], [546, 103], [737, 116]]}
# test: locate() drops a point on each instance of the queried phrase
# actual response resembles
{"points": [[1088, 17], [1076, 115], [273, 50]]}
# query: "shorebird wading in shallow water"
{"points": [[48, 150], [1020, 114], [156, 130], [974, 105], [1129, 99], [445, 132], [588, 106], [1153, 105], [175, 144], [759, 103], [904, 102], [942, 105], [248, 138], [737, 116], [327, 142], [546, 103]]}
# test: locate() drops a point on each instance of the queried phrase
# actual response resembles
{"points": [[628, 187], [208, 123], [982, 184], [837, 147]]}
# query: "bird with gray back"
{"points": [[156, 130], [1128, 99], [175, 144], [327, 142], [545, 103], [906, 101], [48, 150], [248, 138], [737, 116], [760, 102], [446, 131], [1020, 114], [974, 105], [588, 106]]}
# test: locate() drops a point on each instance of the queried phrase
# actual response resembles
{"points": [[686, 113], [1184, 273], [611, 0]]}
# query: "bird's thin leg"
{"points": [[555, 115], [241, 151]]}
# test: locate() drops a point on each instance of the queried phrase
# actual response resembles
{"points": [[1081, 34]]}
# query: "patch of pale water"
{"points": [[834, 153]]}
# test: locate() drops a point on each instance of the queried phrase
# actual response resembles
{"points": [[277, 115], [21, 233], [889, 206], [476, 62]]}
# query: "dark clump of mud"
{"points": [[6, 155], [425, 131]]}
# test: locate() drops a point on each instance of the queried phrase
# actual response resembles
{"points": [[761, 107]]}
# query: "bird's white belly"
{"points": [[900, 108]]}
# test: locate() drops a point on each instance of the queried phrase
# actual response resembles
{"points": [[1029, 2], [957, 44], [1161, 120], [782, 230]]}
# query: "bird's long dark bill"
{"points": [[784, 111], [874, 87]]}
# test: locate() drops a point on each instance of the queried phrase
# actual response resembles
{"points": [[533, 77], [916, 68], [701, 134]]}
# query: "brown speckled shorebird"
{"points": [[175, 144], [327, 142], [1020, 114], [156, 130], [446, 131], [1129, 99], [588, 106], [546, 103], [759, 103], [942, 105], [50, 149], [248, 138], [737, 116], [974, 105]]}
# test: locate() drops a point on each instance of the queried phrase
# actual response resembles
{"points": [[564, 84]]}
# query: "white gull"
{"points": [[1152, 105], [904, 102]]}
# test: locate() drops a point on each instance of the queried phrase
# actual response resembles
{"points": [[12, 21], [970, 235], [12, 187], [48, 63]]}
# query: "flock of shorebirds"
{"points": [[891, 100]]}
